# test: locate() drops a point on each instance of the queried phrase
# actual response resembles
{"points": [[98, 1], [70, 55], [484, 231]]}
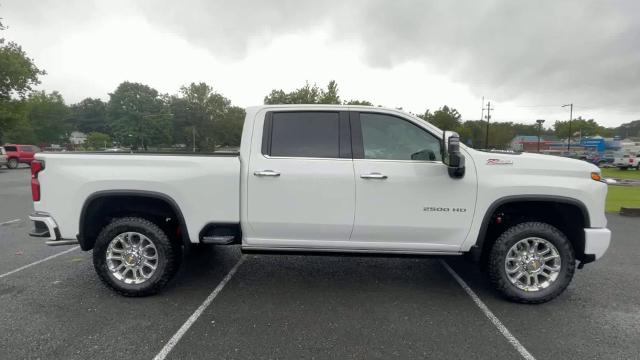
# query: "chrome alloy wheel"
{"points": [[132, 258], [532, 264]]}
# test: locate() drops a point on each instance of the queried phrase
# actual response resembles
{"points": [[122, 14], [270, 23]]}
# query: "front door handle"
{"points": [[266, 173], [373, 175]]}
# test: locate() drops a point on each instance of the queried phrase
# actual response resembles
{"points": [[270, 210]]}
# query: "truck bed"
{"points": [[207, 186]]}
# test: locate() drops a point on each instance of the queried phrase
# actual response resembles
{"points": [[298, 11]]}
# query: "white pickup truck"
{"points": [[330, 179], [628, 160]]}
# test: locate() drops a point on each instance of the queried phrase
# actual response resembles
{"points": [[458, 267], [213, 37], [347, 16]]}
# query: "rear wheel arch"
{"points": [[569, 215], [100, 208]]}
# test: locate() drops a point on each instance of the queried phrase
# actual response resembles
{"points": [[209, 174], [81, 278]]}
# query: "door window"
{"points": [[391, 138], [305, 134]]}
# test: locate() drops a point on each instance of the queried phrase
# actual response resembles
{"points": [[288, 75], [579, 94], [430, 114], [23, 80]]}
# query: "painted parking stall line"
{"points": [[10, 222], [39, 261], [494, 319], [196, 314]]}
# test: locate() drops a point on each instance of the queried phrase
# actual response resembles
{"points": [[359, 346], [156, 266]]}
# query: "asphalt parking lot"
{"points": [[304, 307]]}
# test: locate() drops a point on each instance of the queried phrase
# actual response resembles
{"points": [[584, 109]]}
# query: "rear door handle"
{"points": [[373, 175], [266, 173]]}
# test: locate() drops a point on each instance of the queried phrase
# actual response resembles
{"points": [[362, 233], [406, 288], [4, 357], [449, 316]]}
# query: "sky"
{"points": [[527, 57]]}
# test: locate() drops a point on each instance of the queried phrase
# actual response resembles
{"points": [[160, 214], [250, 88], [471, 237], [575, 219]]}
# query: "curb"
{"points": [[628, 211]]}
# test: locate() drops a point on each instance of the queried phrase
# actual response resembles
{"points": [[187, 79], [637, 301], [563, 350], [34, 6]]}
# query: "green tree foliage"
{"points": [[97, 140], [199, 109], [138, 116], [18, 74], [444, 118], [307, 94], [628, 130], [89, 115], [580, 126], [358, 102], [48, 116]]}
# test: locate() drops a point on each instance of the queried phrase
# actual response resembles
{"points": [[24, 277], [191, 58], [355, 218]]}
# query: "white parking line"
{"points": [[38, 262], [196, 314], [496, 322], [10, 222]]}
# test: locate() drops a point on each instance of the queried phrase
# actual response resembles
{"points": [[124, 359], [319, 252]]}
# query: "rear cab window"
{"points": [[307, 134]]}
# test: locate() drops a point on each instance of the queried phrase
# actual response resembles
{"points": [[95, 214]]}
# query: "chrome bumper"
{"points": [[596, 241], [45, 226]]}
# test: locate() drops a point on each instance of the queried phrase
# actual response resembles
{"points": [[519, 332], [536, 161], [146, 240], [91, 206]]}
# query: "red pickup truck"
{"points": [[20, 154]]}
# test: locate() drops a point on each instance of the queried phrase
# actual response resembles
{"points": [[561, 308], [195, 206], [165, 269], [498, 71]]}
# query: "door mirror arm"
{"points": [[451, 155]]}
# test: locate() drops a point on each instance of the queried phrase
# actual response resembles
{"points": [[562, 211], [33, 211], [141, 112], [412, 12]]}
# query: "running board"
{"points": [[346, 252], [218, 240], [61, 242]]}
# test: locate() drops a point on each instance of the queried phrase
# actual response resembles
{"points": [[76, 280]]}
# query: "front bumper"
{"points": [[45, 226], [596, 242]]}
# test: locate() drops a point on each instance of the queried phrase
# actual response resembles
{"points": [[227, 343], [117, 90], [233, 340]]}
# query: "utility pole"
{"points": [[540, 122], [570, 118], [482, 107], [486, 139], [193, 132]]}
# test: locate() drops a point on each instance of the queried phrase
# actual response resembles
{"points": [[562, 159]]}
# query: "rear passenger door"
{"points": [[301, 189]]}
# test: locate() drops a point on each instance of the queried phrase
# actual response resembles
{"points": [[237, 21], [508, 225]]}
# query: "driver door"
{"points": [[405, 198]]}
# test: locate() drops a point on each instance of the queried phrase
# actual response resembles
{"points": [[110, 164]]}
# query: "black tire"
{"points": [[510, 237], [13, 163], [169, 256]]}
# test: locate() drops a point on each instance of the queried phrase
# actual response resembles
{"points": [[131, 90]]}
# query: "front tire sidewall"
{"points": [[519, 232], [166, 256]]}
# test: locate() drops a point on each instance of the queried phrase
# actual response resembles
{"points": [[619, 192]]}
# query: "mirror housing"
{"points": [[451, 155]]}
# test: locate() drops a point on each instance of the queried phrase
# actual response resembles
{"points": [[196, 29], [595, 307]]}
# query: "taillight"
{"points": [[36, 167]]}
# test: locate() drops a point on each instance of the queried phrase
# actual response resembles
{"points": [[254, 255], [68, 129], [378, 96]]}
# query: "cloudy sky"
{"points": [[527, 57]]}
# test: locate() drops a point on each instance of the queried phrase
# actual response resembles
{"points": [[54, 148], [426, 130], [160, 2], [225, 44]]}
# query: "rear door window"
{"points": [[305, 134], [10, 148]]}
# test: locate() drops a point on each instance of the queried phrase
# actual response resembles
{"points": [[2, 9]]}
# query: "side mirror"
{"points": [[451, 154]]}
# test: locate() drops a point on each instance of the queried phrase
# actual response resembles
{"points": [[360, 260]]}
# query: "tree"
{"points": [[330, 96], [97, 140], [138, 116], [444, 118], [89, 115], [578, 126], [48, 117], [199, 110], [307, 94], [358, 102], [18, 74]]}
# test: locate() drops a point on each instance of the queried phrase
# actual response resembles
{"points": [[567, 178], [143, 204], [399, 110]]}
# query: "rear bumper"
{"points": [[596, 242], [46, 227]]}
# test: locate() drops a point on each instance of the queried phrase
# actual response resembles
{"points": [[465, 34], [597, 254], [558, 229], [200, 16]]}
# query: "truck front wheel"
{"points": [[531, 262], [135, 257]]}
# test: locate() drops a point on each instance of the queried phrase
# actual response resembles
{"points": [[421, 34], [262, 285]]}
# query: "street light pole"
{"points": [[540, 122], [570, 118]]}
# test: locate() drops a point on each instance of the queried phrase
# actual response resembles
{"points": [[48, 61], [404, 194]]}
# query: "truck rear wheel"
{"points": [[135, 257], [531, 262]]}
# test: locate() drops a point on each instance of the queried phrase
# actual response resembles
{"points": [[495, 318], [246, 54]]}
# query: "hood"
{"points": [[504, 162]]}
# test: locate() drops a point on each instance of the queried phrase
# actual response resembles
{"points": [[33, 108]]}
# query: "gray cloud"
{"points": [[541, 52]]}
